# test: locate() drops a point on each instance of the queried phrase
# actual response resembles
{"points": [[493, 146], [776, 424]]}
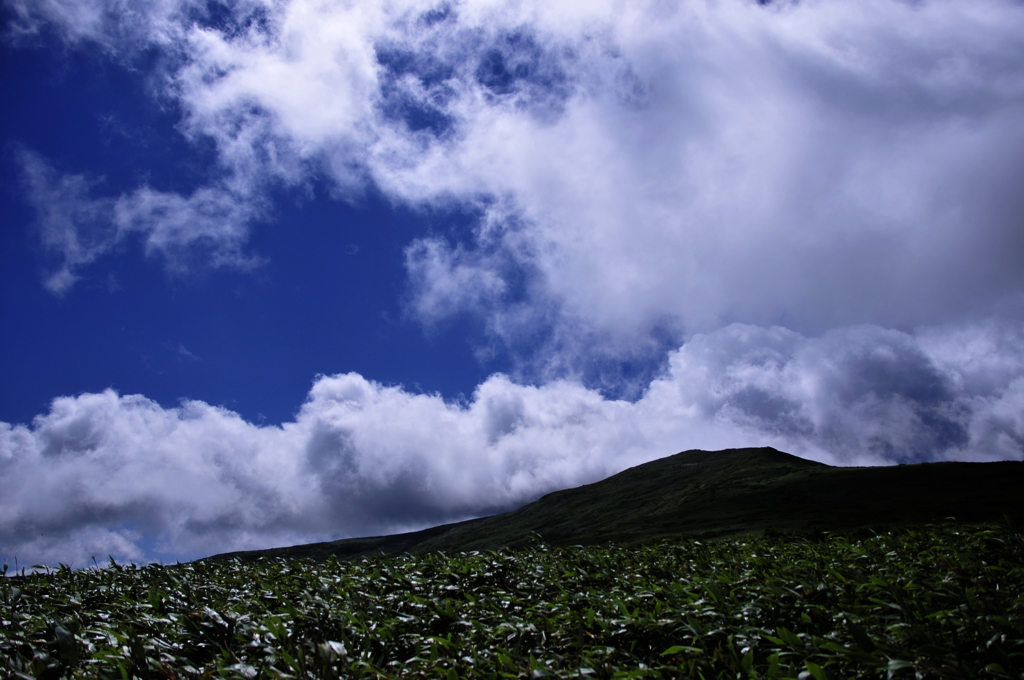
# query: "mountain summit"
{"points": [[717, 493]]}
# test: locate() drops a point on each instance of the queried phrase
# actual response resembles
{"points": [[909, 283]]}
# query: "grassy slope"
{"points": [[940, 601], [718, 493]]}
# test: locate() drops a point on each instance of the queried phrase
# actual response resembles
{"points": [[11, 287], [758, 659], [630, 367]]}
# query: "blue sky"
{"points": [[277, 272], [326, 298]]}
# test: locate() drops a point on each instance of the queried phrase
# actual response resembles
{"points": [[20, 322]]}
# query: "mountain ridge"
{"points": [[714, 493]]}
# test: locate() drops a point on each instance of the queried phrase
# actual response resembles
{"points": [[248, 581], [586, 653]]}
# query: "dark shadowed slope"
{"points": [[718, 493]]}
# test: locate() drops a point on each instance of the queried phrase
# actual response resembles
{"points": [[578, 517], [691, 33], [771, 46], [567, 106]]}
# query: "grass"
{"points": [[926, 601], [722, 493]]}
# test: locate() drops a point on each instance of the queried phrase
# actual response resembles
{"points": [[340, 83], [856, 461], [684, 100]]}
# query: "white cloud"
{"points": [[445, 285], [811, 164], [210, 223], [77, 225], [74, 228], [107, 474], [791, 188]]}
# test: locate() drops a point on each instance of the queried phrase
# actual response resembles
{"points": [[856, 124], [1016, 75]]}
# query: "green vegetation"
{"points": [[721, 493], [929, 601]]}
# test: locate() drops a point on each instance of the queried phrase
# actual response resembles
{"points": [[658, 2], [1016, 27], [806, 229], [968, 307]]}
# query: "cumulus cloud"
{"points": [[106, 474], [650, 165], [811, 164], [805, 215]]}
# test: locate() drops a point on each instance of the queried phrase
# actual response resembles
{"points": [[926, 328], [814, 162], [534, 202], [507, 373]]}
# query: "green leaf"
{"points": [[245, 670], [862, 639], [748, 662], [716, 592], [790, 638], [816, 671], [67, 645], [896, 665]]}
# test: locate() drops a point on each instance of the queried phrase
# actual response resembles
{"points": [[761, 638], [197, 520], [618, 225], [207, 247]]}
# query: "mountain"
{"points": [[716, 493]]}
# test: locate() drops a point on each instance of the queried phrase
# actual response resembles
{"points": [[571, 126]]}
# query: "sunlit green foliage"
{"points": [[931, 602]]}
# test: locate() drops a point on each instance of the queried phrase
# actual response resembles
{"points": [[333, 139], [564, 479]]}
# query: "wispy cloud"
{"points": [[74, 227], [211, 225], [121, 475], [77, 224]]}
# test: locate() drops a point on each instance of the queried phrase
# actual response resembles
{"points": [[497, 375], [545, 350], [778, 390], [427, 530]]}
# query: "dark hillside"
{"points": [[684, 493], [718, 494]]}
